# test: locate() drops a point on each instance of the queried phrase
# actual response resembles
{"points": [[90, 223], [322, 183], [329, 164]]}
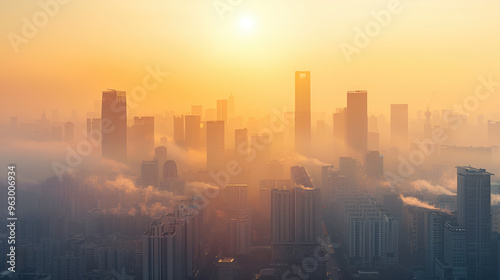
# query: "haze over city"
{"points": [[250, 140]]}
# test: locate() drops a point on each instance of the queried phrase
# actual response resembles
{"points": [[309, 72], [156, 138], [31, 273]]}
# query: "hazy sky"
{"points": [[89, 46]]}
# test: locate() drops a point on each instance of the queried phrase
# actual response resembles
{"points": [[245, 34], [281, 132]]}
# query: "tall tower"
{"points": [[215, 145], [302, 112], [399, 126], [114, 124], [427, 125], [357, 123], [473, 199]]}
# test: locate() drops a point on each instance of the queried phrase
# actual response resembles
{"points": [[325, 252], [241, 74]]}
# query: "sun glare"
{"points": [[246, 23]]}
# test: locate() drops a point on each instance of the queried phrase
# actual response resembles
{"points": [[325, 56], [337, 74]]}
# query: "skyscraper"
{"points": [[302, 112], [339, 130], [473, 201], [192, 134], [114, 123], [178, 129], [222, 110], [374, 165], [142, 139], [357, 123], [215, 145], [399, 126], [149, 173]]}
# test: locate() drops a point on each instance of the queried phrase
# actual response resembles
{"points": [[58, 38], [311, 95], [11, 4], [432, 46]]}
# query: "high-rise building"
{"points": [[473, 202], [178, 129], [434, 239], [241, 145], [300, 178], [161, 157], [192, 132], [302, 112], [427, 125], [493, 133], [331, 181], [295, 222], [149, 173], [348, 168], [159, 252], [114, 123], [374, 164], [170, 179], [399, 126], [222, 110], [142, 139], [339, 130], [215, 145], [357, 123], [452, 265]]}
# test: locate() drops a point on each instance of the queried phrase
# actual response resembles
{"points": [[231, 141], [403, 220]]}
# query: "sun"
{"points": [[246, 23]]}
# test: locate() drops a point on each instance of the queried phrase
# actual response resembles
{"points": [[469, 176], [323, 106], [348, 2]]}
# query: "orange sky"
{"points": [[89, 46]]}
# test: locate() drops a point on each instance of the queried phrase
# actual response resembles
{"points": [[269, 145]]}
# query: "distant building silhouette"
{"points": [[215, 145], [399, 126], [357, 123], [302, 112], [114, 123]]}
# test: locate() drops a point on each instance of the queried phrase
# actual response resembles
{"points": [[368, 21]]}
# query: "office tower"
{"points": [[414, 232], [295, 223], [149, 173], [331, 181], [427, 125], [302, 112], [226, 269], [230, 107], [493, 133], [453, 263], [357, 123], [196, 110], [192, 136], [374, 165], [170, 179], [434, 238], [222, 110], [239, 235], [339, 130], [241, 145], [266, 187], [473, 201], [399, 126], [300, 178], [178, 129], [235, 196], [114, 123], [142, 139], [161, 157], [215, 145], [159, 252], [93, 127], [369, 234], [373, 141], [69, 132], [348, 168]]}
